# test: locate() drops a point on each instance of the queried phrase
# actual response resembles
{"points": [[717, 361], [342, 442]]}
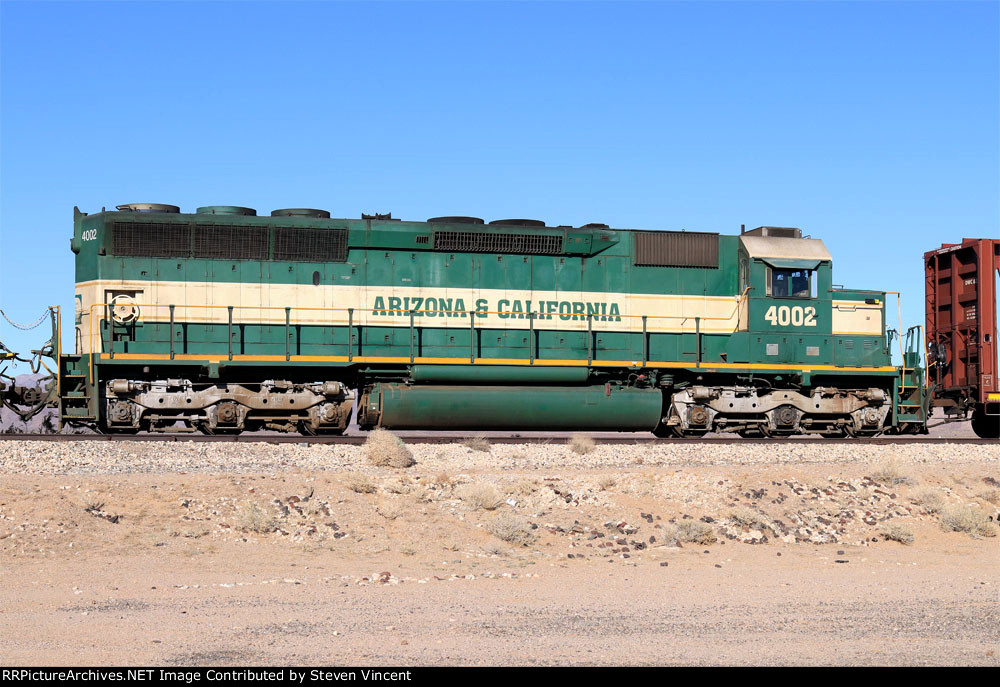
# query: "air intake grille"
{"points": [[310, 245], [151, 239], [477, 242], [676, 249], [227, 242]]}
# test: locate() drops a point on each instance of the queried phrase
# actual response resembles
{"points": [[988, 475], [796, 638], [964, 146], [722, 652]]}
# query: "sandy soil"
{"points": [[290, 565]]}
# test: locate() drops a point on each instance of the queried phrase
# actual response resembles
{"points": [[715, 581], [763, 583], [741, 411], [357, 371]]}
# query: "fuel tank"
{"points": [[592, 408]]}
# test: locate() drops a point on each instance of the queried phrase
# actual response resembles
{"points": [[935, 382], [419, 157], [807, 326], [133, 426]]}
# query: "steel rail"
{"points": [[500, 438]]}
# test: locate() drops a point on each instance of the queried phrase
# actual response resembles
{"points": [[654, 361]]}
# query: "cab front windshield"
{"points": [[790, 283]]}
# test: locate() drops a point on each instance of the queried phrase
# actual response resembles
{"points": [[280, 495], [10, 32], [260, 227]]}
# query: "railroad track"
{"points": [[503, 438]]}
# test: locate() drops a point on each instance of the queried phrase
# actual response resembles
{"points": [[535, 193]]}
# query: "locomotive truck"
{"points": [[223, 321]]}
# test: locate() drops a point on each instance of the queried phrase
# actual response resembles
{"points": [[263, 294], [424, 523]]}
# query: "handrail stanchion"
{"points": [[350, 334], [590, 339], [171, 331], [411, 335], [230, 332], [472, 336], [111, 329], [288, 334], [697, 338], [645, 342], [531, 338]]}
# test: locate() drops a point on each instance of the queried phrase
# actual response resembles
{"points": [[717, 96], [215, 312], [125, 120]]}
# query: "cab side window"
{"points": [[789, 283]]}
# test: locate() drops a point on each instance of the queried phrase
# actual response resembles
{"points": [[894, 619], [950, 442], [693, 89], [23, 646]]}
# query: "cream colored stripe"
{"points": [[328, 304]]}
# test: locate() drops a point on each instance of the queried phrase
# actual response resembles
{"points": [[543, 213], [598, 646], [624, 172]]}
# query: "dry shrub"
{"points": [[442, 479], [899, 533], [480, 496], [494, 550], [581, 443], [397, 487], [645, 484], [91, 501], [384, 449], [359, 483], [749, 518], [694, 532], [314, 508], [510, 528], [890, 474], [990, 496], [252, 518], [968, 518], [526, 487], [931, 500], [606, 482], [390, 510], [477, 443]]}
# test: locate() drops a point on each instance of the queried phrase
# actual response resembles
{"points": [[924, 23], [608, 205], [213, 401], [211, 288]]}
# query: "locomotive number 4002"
{"points": [[797, 316]]}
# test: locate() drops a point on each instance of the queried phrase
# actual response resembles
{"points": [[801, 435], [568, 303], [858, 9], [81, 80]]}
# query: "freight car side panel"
{"points": [[961, 319]]}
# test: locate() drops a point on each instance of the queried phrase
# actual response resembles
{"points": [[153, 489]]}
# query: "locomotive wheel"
{"points": [[985, 426], [664, 432]]}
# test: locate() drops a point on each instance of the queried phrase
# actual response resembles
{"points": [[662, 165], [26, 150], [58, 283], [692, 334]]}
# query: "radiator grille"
{"points": [[310, 245], [151, 239], [482, 242], [229, 242], [676, 249]]}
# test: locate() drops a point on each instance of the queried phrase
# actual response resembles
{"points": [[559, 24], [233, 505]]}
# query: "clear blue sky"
{"points": [[872, 126]]}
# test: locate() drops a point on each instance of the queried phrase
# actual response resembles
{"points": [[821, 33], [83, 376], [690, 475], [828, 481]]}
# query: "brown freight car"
{"points": [[961, 312]]}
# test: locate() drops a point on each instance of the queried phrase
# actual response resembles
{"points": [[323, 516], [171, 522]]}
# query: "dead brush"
{"points": [[931, 500], [606, 482], [694, 532], [900, 533], [92, 502], [526, 487], [477, 443], [494, 550], [748, 518], [581, 444], [890, 474], [968, 518], [397, 486], [443, 480], [382, 448], [251, 517], [990, 496], [390, 510], [480, 496], [360, 483], [645, 484], [511, 529]]}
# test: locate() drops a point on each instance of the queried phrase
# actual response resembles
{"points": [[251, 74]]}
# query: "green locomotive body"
{"points": [[223, 321]]}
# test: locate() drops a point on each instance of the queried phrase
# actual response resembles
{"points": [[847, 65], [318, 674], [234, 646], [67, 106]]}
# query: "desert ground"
{"points": [[565, 553]]}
